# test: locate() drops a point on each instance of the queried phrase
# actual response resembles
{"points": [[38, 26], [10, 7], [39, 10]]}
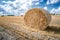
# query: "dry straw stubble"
{"points": [[37, 18]]}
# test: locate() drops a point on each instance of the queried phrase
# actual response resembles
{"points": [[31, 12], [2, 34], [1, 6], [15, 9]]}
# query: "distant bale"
{"points": [[21, 15], [37, 18]]}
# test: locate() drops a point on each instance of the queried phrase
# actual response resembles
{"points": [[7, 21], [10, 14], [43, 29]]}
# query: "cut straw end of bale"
{"points": [[37, 18]]}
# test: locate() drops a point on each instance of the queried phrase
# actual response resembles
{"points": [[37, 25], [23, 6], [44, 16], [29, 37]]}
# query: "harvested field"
{"points": [[16, 25], [55, 21]]}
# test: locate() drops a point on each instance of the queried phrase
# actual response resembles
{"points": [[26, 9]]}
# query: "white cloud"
{"points": [[41, 0], [37, 0], [4, 1], [54, 10], [1, 13], [59, 8], [6, 7], [37, 3], [47, 2], [23, 1], [24, 6], [19, 4], [52, 1], [45, 8]]}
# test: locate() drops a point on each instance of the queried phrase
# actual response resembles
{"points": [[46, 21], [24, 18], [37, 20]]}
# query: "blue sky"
{"points": [[19, 7]]}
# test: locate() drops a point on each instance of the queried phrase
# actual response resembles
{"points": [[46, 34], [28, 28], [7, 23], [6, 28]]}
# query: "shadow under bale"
{"points": [[53, 29]]}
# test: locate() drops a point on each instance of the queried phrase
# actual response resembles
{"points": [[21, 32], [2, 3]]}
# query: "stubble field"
{"points": [[10, 21]]}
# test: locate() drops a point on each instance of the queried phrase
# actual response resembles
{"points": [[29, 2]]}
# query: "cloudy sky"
{"points": [[19, 7]]}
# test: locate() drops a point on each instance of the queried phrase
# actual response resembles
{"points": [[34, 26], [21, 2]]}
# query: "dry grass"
{"points": [[55, 21], [17, 23]]}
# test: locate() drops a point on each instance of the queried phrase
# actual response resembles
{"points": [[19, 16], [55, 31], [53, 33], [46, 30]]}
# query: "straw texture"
{"points": [[37, 18]]}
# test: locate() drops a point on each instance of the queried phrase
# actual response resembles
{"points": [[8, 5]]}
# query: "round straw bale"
{"points": [[37, 18]]}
